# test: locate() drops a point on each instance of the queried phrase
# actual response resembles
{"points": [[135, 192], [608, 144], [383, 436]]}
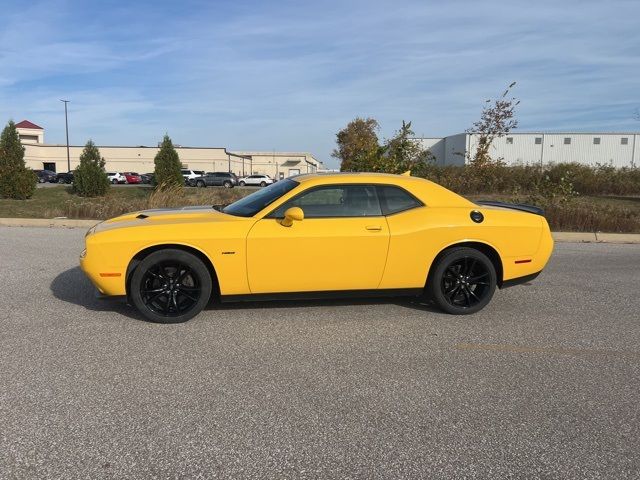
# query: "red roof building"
{"points": [[28, 124]]}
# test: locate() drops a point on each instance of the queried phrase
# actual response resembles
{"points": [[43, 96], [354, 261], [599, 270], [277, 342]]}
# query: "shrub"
{"points": [[18, 184], [546, 180], [167, 172], [16, 180], [90, 179]]}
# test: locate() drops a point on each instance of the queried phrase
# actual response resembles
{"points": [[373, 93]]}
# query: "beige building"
{"points": [[279, 165]]}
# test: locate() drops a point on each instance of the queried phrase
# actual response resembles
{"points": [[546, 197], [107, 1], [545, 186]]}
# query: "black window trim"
{"points": [[382, 200]]}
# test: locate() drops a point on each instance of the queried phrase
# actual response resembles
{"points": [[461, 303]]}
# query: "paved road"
{"points": [[544, 383]]}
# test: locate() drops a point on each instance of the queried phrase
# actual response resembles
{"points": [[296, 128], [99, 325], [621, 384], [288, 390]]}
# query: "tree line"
{"points": [[359, 148]]}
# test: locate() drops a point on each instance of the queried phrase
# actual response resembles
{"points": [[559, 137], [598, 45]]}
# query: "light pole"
{"points": [[66, 125]]}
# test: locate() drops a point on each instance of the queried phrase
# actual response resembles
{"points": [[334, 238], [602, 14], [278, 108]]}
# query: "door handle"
{"points": [[373, 228]]}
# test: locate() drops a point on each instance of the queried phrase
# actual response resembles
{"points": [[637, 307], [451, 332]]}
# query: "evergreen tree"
{"points": [[16, 180], [89, 178], [167, 165]]}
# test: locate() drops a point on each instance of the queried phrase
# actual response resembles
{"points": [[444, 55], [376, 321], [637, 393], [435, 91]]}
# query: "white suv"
{"points": [[191, 174], [262, 180], [116, 177]]}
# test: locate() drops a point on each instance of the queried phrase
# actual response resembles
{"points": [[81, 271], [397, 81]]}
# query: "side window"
{"points": [[335, 201], [396, 200]]}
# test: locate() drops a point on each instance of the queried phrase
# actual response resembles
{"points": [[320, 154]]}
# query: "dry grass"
{"points": [[111, 206]]}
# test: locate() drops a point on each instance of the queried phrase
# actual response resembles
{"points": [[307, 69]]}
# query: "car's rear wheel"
{"points": [[170, 286], [462, 282], [263, 184], [227, 184], [242, 184], [200, 184], [61, 180]]}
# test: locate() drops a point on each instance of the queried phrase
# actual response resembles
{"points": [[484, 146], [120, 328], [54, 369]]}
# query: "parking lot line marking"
{"points": [[492, 347]]}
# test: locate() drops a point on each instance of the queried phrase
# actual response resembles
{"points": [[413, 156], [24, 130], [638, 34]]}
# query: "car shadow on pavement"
{"points": [[72, 286]]}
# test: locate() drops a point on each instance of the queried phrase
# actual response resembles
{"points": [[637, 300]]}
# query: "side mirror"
{"points": [[291, 214]]}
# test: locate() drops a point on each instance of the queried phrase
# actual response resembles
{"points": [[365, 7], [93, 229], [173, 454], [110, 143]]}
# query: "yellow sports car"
{"points": [[318, 236]]}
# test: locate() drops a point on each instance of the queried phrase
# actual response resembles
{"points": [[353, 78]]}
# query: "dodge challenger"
{"points": [[318, 236]]}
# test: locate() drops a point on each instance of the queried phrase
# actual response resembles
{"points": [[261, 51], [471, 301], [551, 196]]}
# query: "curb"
{"points": [[597, 237], [560, 237], [47, 223]]}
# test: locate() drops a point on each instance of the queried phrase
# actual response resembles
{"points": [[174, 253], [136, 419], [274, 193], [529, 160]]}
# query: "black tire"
{"points": [[242, 184], [40, 180], [114, 181], [227, 184], [61, 181], [201, 184], [170, 286], [462, 281], [263, 184]]}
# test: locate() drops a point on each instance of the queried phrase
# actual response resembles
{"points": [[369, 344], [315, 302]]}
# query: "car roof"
{"points": [[429, 192]]}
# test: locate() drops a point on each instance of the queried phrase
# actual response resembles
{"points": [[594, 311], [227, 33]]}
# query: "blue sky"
{"points": [[251, 75]]}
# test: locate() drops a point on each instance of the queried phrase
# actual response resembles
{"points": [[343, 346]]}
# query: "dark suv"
{"points": [[45, 176], [215, 179]]}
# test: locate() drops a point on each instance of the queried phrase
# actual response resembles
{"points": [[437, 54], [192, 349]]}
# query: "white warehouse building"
{"points": [[616, 149]]}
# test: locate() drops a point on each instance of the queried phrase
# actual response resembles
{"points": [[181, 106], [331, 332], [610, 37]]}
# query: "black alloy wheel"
{"points": [[170, 286], [463, 281]]}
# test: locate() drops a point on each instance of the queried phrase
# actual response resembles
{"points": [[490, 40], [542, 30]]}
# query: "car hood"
{"points": [[166, 216]]}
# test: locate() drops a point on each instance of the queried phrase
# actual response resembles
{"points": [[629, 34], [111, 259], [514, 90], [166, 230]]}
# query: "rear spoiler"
{"points": [[523, 207]]}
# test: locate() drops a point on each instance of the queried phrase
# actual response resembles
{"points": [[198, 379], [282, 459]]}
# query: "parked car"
{"points": [[116, 177], [132, 177], [147, 178], [261, 180], [45, 176], [65, 178], [215, 179], [190, 174], [359, 234]]}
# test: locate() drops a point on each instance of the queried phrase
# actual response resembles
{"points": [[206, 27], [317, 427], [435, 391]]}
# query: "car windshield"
{"points": [[252, 204]]}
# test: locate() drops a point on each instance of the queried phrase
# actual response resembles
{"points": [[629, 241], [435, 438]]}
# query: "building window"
{"points": [[538, 140], [509, 140], [624, 141], [596, 140], [567, 140]]}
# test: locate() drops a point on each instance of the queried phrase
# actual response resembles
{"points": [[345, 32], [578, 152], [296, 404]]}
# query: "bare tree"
{"points": [[497, 119]]}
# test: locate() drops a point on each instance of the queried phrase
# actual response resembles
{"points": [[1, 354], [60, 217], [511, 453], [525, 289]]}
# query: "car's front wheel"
{"points": [[201, 184], [462, 281], [227, 184], [242, 184], [170, 286]]}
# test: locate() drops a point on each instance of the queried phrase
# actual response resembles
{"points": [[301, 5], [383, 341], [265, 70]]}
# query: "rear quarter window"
{"points": [[396, 200]]}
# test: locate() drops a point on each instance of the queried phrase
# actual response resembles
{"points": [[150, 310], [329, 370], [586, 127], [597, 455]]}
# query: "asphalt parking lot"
{"points": [[544, 383]]}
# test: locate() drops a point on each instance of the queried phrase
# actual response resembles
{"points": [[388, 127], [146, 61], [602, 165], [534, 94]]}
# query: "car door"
{"points": [[210, 179], [341, 244]]}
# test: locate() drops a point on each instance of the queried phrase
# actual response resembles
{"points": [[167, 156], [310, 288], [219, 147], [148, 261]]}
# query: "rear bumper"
{"points": [[519, 280]]}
